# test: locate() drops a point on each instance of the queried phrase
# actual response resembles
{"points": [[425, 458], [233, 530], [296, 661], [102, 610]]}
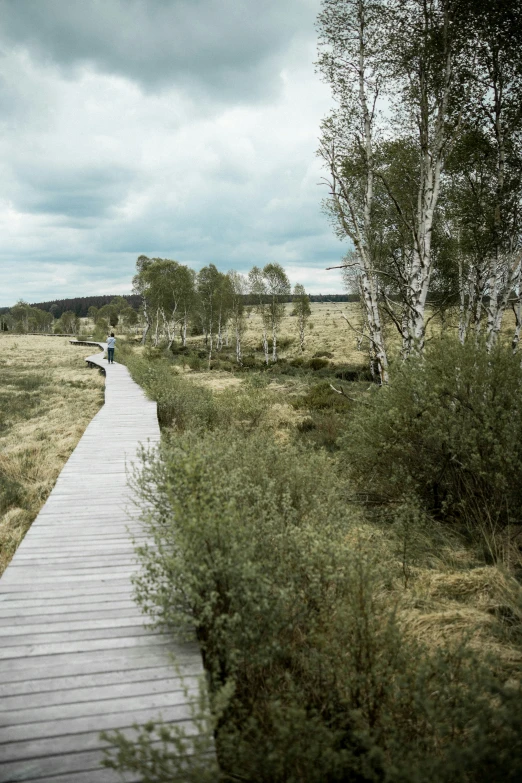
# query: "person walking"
{"points": [[111, 342]]}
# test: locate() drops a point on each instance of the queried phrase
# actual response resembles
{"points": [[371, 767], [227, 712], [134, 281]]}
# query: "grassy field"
{"points": [[47, 397]]}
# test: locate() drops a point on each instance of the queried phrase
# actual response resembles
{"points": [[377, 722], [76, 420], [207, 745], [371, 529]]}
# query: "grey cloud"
{"points": [[76, 193], [224, 47]]}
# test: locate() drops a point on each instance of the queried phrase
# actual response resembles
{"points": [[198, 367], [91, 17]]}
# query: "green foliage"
{"points": [[166, 752], [318, 364], [181, 404], [448, 430], [253, 548], [321, 396], [309, 672]]}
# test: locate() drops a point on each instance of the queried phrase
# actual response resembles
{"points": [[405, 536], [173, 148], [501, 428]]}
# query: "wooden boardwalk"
{"points": [[75, 656]]}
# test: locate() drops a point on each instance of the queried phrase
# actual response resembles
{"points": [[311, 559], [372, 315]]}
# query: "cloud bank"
{"points": [[180, 129]]}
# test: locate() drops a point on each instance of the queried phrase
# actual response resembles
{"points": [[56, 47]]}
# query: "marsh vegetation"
{"points": [[47, 398], [347, 557]]}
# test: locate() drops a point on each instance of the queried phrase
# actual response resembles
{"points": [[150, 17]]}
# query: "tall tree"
{"points": [[350, 39], [239, 289], [302, 312], [258, 293], [141, 286], [209, 281], [498, 37], [278, 290], [429, 68]]}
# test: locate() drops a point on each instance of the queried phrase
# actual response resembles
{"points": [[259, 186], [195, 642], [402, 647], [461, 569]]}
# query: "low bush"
{"points": [[448, 429], [318, 364], [311, 678], [325, 354], [321, 396], [12, 493], [353, 374], [181, 404], [314, 675]]}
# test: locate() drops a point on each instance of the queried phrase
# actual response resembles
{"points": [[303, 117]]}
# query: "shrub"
{"points": [[12, 493], [353, 373], [195, 362], [253, 547], [449, 430], [310, 676], [326, 354], [181, 404], [318, 364], [321, 396]]}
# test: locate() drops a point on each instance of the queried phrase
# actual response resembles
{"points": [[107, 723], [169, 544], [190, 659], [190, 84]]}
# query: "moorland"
{"points": [[356, 617]]}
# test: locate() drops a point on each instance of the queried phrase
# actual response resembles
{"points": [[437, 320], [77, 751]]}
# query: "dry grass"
{"points": [[450, 597], [329, 329], [47, 397], [326, 331]]}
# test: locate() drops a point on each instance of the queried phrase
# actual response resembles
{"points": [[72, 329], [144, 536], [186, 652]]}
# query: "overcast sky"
{"points": [[184, 129]]}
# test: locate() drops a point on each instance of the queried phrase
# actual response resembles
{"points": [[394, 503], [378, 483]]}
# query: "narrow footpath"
{"points": [[75, 655]]}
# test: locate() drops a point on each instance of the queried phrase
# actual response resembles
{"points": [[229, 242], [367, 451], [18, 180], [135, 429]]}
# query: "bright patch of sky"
{"points": [[180, 129]]}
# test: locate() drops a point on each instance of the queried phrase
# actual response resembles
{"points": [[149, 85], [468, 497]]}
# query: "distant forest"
{"points": [[80, 305]]}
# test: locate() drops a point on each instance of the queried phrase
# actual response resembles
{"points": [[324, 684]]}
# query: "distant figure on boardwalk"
{"points": [[111, 342]]}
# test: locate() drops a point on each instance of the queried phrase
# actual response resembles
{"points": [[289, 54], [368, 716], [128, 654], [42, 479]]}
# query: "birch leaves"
{"points": [[411, 80], [213, 303]]}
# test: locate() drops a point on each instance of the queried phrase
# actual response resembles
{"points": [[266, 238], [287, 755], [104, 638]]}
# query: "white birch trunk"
{"points": [[517, 309], [156, 333], [302, 325], [219, 337], [210, 345], [239, 357], [355, 217], [499, 298]]}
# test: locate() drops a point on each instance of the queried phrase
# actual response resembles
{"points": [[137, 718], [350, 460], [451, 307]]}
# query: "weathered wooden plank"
{"points": [[78, 646], [173, 694], [98, 611], [94, 661], [69, 744], [95, 722], [35, 608], [63, 690], [135, 628], [82, 767]]}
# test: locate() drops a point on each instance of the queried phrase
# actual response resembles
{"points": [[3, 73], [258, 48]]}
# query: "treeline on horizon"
{"points": [[80, 305]]}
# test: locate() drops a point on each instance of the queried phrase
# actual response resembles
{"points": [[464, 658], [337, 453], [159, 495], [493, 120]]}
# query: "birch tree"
{"points": [[278, 290], [485, 172], [350, 36], [258, 292], [498, 30], [302, 312], [427, 56], [142, 287], [187, 282], [209, 280], [224, 295], [239, 290]]}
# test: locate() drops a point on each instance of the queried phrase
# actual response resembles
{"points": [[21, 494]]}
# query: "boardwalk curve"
{"points": [[75, 656]]}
